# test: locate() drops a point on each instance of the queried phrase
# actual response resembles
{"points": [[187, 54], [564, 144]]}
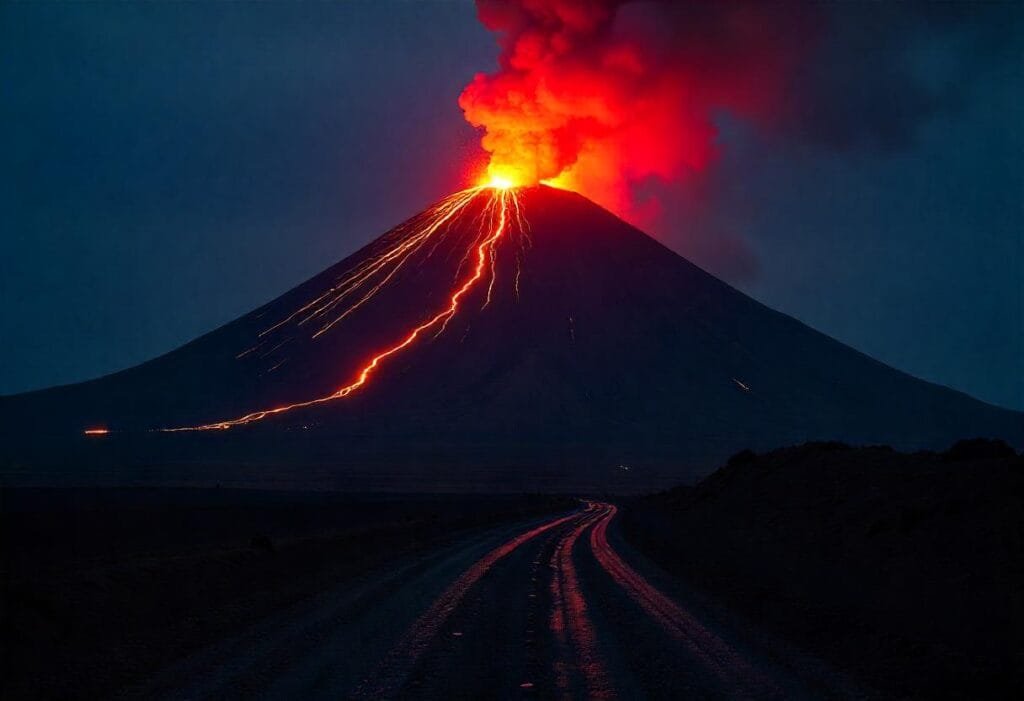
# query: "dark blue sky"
{"points": [[168, 168]]}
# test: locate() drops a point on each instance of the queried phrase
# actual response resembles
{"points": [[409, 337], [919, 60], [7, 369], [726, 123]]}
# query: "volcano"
{"points": [[584, 354]]}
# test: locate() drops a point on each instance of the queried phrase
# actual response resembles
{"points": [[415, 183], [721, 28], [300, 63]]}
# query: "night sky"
{"points": [[168, 168]]}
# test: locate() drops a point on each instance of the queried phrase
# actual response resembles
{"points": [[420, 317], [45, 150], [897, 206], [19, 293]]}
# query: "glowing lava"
{"points": [[500, 182], [501, 212]]}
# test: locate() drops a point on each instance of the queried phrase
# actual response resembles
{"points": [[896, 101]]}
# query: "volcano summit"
{"points": [[504, 338]]}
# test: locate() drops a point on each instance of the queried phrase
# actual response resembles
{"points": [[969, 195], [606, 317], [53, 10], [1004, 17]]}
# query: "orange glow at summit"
{"points": [[510, 178], [499, 181]]}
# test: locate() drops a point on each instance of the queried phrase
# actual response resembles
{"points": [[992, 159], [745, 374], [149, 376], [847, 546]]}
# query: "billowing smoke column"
{"points": [[602, 96]]}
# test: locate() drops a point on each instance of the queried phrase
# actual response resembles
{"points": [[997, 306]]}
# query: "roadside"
{"points": [[903, 571], [109, 586]]}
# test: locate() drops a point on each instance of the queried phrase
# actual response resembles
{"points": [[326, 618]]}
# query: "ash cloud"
{"points": [[878, 74], [619, 99]]}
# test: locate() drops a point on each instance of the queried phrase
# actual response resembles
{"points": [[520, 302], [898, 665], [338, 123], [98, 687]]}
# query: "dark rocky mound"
{"points": [[903, 569]]}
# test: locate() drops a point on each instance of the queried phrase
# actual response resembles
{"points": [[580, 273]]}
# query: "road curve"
{"points": [[403, 657], [570, 624], [548, 609], [733, 671]]}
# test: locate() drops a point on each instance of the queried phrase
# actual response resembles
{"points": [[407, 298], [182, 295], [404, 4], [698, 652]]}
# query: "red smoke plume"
{"points": [[602, 96]]}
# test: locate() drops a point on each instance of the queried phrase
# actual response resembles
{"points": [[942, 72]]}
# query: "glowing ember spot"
{"points": [[499, 182], [500, 211], [96, 431]]}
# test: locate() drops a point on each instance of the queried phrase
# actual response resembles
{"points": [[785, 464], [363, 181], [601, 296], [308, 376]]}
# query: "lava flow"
{"points": [[499, 214]]}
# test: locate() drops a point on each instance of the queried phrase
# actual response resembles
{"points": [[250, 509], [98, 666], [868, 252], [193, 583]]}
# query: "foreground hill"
{"points": [[903, 569], [590, 349]]}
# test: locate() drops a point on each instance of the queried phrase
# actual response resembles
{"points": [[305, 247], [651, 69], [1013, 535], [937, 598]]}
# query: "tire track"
{"points": [[496, 644], [282, 655], [400, 661], [579, 662]]}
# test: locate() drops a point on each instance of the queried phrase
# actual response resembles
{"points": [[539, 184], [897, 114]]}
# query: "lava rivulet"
{"points": [[363, 282], [501, 212]]}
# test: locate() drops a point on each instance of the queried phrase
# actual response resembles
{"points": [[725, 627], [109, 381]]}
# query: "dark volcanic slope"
{"points": [[615, 351]]}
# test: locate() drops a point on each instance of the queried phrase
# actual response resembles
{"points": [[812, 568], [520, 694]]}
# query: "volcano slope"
{"points": [[585, 355]]}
